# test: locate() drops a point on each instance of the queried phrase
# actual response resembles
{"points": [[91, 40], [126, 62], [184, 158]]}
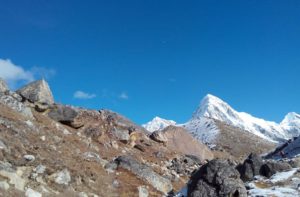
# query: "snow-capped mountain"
{"points": [[292, 119], [203, 125], [158, 124], [213, 108]]}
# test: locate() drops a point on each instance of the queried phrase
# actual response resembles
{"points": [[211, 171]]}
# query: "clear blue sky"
{"points": [[154, 57]]}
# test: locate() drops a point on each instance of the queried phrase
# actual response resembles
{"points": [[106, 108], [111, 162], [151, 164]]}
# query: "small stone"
{"points": [[29, 157], [4, 185], [114, 144], [31, 193], [62, 178], [82, 194], [40, 169], [116, 183], [111, 167], [43, 138], [3, 146], [143, 192]]}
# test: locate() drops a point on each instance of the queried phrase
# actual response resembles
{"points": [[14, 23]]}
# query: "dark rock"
{"points": [[204, 190], [65, 115], [37, 91], [145, 173], [140, 147], [158, 136], [272, 167], [184, 165], [41, 107], [251, 167], [217, 178]]}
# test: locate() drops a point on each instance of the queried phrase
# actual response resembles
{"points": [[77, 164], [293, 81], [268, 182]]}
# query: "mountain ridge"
{"points": [[214, 108]]}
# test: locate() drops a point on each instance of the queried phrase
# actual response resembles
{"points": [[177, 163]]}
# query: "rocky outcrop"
{"points": [[215, 179], [145, 173], [254, 165], [184, 165], [37, 91], [11, 100], [3, 86], [272, 167], [65, 115], [251, 167]]}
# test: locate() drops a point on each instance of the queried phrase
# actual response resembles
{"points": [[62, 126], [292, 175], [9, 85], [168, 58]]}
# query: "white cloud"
{"points": [[124, 96], [83, 95], [15, 75], [41, 72]]}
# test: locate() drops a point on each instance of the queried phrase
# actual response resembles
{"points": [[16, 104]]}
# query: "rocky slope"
{"points": [[179, 140], [49, 149]]}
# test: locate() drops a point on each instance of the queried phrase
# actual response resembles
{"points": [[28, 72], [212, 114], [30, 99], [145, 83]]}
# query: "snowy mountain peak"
{"points": [[213, 107], [291, 119], [158, 123]]}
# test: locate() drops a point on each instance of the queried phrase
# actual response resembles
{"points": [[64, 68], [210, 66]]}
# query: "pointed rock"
{"points": [[3, 86], [37, 91]]}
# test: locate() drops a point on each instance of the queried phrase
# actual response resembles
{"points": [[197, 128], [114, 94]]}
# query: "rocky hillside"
{"points": [[49, 149]]}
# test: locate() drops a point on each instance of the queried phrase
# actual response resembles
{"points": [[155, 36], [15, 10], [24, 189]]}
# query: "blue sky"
{"points": [[148, 58]]}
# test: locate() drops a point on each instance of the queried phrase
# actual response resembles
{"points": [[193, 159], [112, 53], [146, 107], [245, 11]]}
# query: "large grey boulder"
{"points": [[3, 86], [65, 115], [37, 91], [217, 178], [145, 173], [272, 167], [251, 167]]}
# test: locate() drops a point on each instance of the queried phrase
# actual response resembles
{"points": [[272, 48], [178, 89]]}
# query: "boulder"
{"points": [[272, 167], [3, 86], [16, 105], [251, 167], [65, 115], [37, 91], [145, 173], [158, 136], [217, 178], [121, 134]]}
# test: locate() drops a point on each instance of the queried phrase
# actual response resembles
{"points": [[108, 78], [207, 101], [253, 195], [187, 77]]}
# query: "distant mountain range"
{"points": [[211, 109]]}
